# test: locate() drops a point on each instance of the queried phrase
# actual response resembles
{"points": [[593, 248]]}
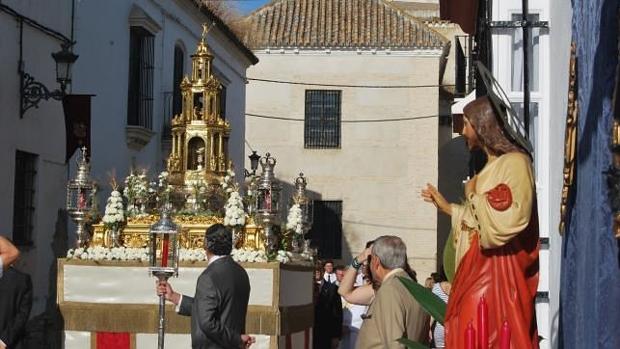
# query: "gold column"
{"points": [[212, 150], [220, 153]]}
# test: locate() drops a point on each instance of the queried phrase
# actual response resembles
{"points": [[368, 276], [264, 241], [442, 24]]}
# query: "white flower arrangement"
{"points": [[109, 254], [234, 211], [228, 182], [249, 256], [136, 191], [114, 215], [294, 220], [192, 255], [161, 188], [185, 255], [235, 215]]}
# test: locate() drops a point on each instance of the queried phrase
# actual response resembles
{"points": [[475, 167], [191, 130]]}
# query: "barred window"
{"points": [[177, 77], [326, 232], [322, 119], [23, 198], [141, 65]]}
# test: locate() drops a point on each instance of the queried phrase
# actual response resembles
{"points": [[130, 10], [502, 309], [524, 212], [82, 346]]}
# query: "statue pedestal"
{"points": [[136, 233], [96, 298]]}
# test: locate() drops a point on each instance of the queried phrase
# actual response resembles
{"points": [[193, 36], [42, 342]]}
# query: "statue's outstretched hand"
{"points": [[432, 195]]}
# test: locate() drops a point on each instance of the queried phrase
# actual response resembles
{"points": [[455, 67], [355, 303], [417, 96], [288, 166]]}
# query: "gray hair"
{"points": [[391, 251]]}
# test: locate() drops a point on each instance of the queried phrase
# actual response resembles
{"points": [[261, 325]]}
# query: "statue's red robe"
{"points": [[495, 235]]}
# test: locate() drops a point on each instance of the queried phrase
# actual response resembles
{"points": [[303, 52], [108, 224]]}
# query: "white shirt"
{"points": [[330, 277], [209, 261]]}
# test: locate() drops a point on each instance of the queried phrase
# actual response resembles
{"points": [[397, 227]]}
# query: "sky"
{"points": [[247, 6]]}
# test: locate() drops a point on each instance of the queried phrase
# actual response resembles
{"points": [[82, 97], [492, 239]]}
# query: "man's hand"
{"points": [[363, 257], [164, 288], [246, 341]]}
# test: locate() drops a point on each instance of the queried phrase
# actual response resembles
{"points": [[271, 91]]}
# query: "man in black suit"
{"points": [[220, 304], [15, 298], [327, 315]]}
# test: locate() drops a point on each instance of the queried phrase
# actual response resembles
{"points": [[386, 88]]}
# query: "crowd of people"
{"points": [[348, 297]]}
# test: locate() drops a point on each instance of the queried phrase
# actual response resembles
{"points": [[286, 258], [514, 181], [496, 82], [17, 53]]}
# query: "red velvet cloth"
{"points": [[113, 340], [508, 278]]}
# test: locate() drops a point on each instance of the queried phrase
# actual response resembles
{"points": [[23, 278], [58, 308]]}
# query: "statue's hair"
{"points": [[483, 119]]}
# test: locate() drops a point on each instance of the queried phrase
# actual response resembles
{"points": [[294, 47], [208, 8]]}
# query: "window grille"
{"points": [[326, 231], [141, 65], [223, 102], [23, 198], [322, 119], [177, 77]]}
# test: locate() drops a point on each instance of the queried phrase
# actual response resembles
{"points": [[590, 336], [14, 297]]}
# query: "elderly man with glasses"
{"points": [[393, 313]]}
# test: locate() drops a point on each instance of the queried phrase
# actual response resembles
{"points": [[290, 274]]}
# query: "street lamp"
{"points": [[33, 91], [254, 161], [64, 60], [254, 158]]}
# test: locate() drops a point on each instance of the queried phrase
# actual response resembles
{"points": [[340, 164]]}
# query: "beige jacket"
{"points": [[393, 314]]}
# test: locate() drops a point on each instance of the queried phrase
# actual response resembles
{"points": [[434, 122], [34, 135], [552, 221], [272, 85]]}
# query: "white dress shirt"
{"points": [[330, 277]]}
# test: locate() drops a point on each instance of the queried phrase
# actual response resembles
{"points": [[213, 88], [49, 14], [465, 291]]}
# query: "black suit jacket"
{"points": [[15, 305], [219, 307], [327, 315]]}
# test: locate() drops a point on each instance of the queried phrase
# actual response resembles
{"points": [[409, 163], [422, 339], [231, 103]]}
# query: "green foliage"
{"points": [[429, 301], [449, 258], [411, 344]]}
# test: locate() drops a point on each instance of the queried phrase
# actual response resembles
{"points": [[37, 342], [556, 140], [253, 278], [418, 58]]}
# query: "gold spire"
{"points": [[200, 133], [202, 48]]}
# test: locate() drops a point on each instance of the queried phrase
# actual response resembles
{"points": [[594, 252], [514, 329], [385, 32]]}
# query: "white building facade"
{"points": [[131, 56], [549, 68], [32, 146], [347, 94]]}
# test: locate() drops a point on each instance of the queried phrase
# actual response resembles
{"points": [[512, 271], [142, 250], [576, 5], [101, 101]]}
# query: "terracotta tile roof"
{"points": [[337, 24], [424, 10]]}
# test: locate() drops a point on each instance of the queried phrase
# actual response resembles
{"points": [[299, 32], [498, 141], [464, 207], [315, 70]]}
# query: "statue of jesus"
{"points": [[494, 237]]}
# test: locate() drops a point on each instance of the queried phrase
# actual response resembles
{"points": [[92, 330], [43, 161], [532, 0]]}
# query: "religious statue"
{"points": [[200, 157], [492, 250]]}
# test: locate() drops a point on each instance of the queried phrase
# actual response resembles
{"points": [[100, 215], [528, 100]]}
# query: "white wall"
{"points": [[41, 131], [381, 167], [559, 41]]}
